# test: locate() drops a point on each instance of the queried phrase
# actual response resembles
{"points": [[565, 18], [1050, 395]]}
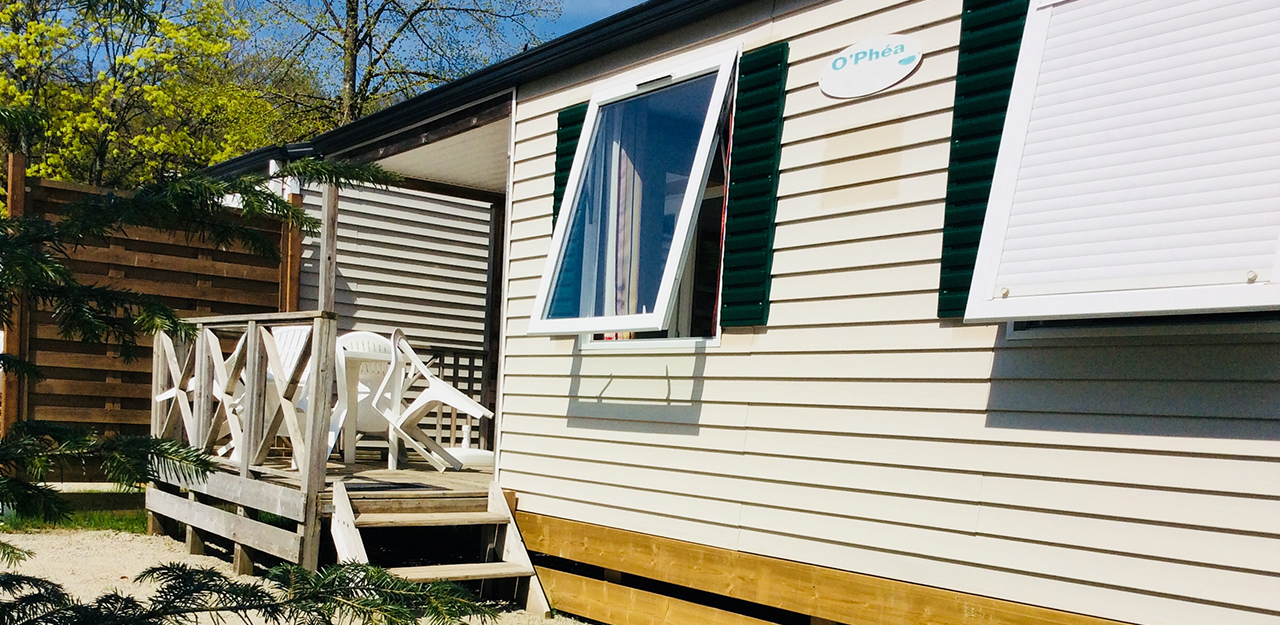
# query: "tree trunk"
{"points": [[350, 55]]}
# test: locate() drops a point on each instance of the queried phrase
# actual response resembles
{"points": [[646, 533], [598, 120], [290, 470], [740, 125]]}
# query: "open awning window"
{"points": [[1139, 167], [638, 177]]}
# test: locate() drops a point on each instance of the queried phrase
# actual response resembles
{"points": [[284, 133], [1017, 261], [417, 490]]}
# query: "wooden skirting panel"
{"points": [[820, 592], [615, 604]]}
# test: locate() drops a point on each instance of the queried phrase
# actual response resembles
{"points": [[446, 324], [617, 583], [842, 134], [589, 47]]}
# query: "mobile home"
{"points": [[873, 311]]}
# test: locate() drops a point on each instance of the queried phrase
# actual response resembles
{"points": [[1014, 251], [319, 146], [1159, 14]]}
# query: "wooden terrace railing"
{"points": [[243, 383]]}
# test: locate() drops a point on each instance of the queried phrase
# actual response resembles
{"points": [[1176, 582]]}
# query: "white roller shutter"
{"points": [[1139, 169]]}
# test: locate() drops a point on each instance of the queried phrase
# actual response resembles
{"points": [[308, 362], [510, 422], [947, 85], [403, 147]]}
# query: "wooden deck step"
{"points": [[462, 572], [428, 519]]}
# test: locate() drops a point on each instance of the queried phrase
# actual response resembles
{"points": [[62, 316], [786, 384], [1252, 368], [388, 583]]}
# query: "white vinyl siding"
{"points": [[1138, 167], [858, 431], [407, 259]]}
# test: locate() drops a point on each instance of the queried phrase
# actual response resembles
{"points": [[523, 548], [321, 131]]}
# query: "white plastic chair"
{"points": [[437, 393]]}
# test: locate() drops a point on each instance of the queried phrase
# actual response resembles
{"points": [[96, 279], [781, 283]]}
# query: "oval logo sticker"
{"points": [[870, 66]]}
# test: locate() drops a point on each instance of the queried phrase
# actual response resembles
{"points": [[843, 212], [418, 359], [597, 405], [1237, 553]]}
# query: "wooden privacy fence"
{"points": [[89, 384], [243, 385]]}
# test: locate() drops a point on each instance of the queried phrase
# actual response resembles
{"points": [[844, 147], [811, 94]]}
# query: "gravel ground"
{"points": [[89, 563]]}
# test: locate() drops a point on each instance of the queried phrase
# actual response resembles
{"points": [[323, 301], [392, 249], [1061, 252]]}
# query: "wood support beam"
{"points": [[290, 261], [13, 390], [839, 596], [611, 603]]}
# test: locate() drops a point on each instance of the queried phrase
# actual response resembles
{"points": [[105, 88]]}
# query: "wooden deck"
{"points": [[367, 476]]}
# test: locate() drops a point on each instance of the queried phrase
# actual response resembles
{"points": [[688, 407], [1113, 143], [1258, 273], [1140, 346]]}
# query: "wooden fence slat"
{"points": [[88, 384], [266, 538]]}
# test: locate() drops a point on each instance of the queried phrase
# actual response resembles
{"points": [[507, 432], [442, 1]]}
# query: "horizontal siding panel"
{"points": [[535, 225], [868, 169], [873, 224], [805, 29], [885, 508], [1216, 548], [898, 193], [928, 335], [705, 511], [1223, 512], [858, 254], [887, 109], [1168, 398], [1112, 467], [536, 146], [977, 427], [889, 308], [932, 395], [879, 281], [533, 187], [927, 365], [868, 478], [931, 128], [642, 521]]}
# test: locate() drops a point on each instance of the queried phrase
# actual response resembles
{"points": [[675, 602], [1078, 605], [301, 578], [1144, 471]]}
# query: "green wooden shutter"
{"points": [[753, 186], [990, 34], [568, 129]]}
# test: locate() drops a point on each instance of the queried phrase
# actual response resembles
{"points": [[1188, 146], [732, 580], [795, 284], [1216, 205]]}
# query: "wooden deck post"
{"points": [[251, 437], [319, 407], [13, 390], [328, 266]]}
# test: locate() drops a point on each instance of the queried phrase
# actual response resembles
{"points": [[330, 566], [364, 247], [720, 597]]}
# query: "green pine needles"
{"points": [[343, 593]]}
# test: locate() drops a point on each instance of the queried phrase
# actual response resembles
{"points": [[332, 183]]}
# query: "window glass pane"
{"points": [[634, 179]]}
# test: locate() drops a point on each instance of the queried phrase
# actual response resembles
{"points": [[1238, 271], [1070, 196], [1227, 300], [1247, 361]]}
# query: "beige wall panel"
{"points": [[927, 335], [894, 308], [974, 365], [535, 167], [861, 225], [539, 346], [1112, 467], [932, 128], [947, 515], [1201, 510], [700, 508], [854, 282], [978, 427], [532, 125], [916, 160], [1224, 549], [536, 146], [890, 108], [869, 478], [907, 394], [927, 188], [673, 526], [531, 267], [535, 187], [855, 256], [561, 416], [815, 19], [530, 248], [534, 224]]}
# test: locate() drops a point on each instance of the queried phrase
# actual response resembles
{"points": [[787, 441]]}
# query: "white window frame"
{"points": [[721, 64], [986, 302]]}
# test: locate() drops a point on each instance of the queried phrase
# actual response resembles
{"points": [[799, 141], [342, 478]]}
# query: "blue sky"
{"points": [[578, 13]]}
